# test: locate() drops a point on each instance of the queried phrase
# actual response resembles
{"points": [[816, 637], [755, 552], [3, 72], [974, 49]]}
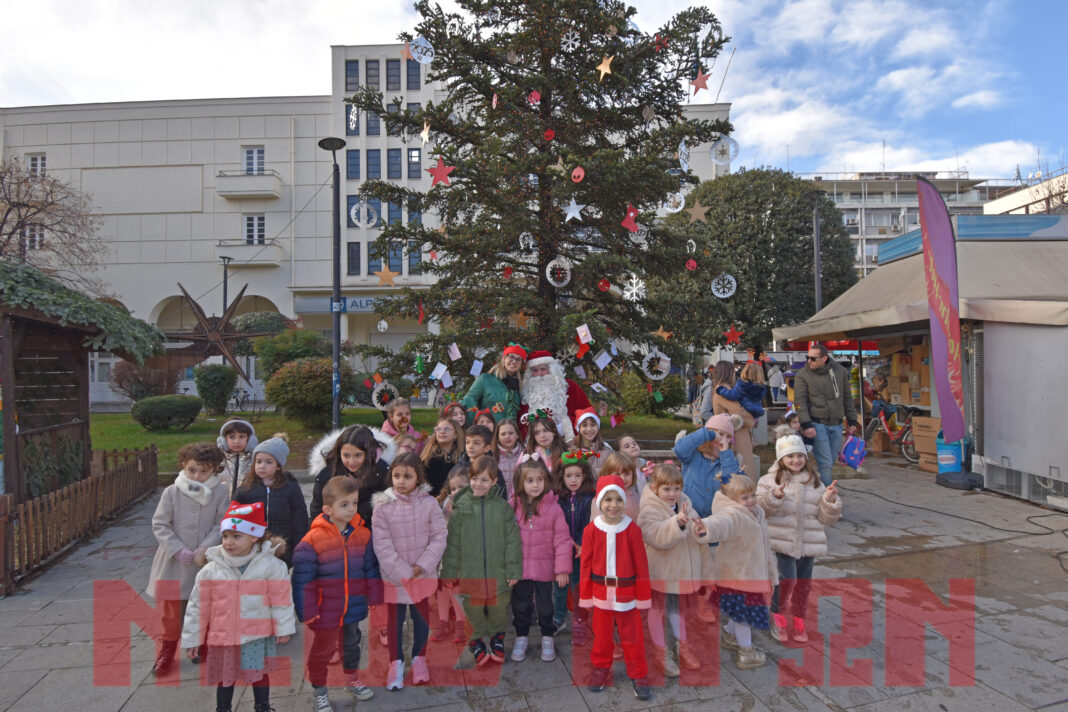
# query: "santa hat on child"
{"points": [[245, 518], [609, 483], [540, 358], [581, 415]]}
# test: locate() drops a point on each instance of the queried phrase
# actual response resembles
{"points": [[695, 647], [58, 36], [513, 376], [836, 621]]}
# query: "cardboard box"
{"points": [[879, 442], [914, 380], [899, 365], [926, 427], [920, 353], [915, 396], [929, 463], [925, 396], [900, 385], [891, 346], [925, 376], [895, 399], [926, 444]]}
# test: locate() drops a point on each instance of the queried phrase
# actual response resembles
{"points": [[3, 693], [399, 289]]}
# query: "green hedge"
{"points": [[165, 412], [215, 384], [302, 389]]}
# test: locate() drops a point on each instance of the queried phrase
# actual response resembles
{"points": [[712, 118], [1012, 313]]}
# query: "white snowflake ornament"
{"points": [[724, 285], [633, 288], [570, 41]]}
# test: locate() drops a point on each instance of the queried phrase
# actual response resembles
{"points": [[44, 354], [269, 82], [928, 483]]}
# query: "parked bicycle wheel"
{"points": [[908, 445], [870, 428]]}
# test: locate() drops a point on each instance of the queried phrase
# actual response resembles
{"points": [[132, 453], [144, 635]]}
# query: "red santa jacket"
{"points": [[614, 552]]}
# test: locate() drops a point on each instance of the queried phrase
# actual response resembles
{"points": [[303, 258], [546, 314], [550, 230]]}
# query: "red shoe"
{"points": [[460, 635], [799, 634], [444, 631]]}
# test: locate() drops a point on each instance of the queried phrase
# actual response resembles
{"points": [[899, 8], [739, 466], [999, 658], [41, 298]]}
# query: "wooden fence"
{"points": [[36, 531]]}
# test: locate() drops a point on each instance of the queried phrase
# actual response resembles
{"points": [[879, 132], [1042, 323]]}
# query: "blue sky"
{"points": [[977, 85]]}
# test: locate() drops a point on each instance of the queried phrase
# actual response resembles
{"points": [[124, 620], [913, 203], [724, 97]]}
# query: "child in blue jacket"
{"points": [[335, 578], [748, 390], [705, 454]]}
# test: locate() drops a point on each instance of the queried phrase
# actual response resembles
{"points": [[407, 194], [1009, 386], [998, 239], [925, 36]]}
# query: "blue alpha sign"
{"points": [[321, 305]]}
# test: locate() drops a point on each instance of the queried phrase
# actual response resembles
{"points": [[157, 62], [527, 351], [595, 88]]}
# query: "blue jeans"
{"points": [[795, 582], [828, 445]]}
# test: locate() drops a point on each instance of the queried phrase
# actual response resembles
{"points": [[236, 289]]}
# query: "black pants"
{"points": [[261, 694], [325, 642], [795, 583], [528, 595]]}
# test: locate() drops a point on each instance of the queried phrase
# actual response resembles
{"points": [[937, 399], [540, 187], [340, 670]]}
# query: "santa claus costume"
{"points": [[552, 392], [614, 582]]}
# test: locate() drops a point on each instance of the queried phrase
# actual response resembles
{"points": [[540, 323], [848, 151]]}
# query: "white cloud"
{"points": [[982, 99], [927, 40], [997, 159]]}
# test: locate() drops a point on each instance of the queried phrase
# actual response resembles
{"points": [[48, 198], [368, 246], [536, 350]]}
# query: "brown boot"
{"points": [[443, 632], [687, 658], [662, 661]]}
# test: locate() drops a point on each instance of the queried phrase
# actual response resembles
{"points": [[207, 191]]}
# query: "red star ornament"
{"points": [[440, 172], [661, 43], [700, 81], [628, 221], [406, 51], [733, 336], [507, 272]]}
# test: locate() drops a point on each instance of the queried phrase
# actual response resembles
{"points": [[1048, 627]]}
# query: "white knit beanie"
{"points": [[789, 445]]}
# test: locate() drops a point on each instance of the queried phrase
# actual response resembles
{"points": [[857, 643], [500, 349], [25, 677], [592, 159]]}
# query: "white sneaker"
{"points": [[548, 648], [420, 673], [322, 703], [359, 690], [519, 649], [395, 678]]}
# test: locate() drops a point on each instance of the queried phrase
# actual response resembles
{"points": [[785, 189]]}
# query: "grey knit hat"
{"points": [[276, 448]]}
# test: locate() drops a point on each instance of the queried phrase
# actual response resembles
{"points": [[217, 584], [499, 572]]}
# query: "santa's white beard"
{"points": [[549, 391]]}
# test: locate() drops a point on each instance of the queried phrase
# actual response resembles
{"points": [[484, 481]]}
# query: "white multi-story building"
{"points": [[878, 206], [236, 191]]}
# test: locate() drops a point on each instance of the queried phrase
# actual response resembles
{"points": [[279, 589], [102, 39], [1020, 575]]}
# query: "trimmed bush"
{"points": [[274, 351], [302, 389], [137, 382], [215, 384], [166, 412]]}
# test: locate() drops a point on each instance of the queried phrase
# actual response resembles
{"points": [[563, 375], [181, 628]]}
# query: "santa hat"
{"points": [[540, 358], [245, 518], [789, 445], [581, 415], [515, 350], [606, 484]]}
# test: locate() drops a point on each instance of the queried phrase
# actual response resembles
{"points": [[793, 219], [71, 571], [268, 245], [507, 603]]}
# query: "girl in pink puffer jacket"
{"points": [[546, 556], [409, 533]]}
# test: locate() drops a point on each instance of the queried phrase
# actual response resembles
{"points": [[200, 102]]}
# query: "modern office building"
{"points": [[236, 191], [879, 206], [1035, 195]]}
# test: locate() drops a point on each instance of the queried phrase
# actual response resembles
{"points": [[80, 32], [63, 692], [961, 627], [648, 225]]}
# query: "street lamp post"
{"points": [[816, 194], [226, 263], [334, 144]]}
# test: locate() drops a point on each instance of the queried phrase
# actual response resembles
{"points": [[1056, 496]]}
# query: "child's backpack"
{"points": [[853, 451]]}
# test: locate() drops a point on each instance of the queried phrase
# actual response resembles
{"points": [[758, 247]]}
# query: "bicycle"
{"points": [[902, 437], [239, 400]]}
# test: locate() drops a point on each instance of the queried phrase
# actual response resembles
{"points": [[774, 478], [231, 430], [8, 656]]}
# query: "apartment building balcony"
{"points": [[250, 254], [242, 185]]}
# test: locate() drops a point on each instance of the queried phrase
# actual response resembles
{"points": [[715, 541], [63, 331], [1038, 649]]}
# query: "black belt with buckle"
{"points": [[613, 581]]}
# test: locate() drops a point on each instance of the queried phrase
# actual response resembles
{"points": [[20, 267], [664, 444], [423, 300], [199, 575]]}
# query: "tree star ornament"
{"points": [[386, 276], [628, 221], [661, 42], [700, 81], [697, 212], [574, 210], [605, 67], [733, 335], [441, 173], [665, 335], [406, 52], [425, 134]]}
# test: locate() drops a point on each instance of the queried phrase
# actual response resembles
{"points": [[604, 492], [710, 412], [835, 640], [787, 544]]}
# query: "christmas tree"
{"points": [[556, 142]]}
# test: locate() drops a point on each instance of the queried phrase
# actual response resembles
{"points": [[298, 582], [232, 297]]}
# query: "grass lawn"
{"points": [[116, 431]]}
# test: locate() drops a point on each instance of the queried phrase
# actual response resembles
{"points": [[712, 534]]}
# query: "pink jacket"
{"points": [[506, 464], [408, 531], [546, 540], [388, 429]]}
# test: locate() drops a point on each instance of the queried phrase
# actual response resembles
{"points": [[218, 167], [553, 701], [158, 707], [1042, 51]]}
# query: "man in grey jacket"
{"points": [[822, 400]]}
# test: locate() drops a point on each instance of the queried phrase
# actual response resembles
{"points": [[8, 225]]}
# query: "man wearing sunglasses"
{"points": [[822, 400]]}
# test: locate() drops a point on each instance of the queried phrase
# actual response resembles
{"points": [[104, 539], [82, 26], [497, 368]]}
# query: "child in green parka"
{"points": [[483, 557]]}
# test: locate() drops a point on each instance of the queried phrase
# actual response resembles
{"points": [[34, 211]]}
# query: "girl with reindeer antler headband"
{"points": [[543, 439]]}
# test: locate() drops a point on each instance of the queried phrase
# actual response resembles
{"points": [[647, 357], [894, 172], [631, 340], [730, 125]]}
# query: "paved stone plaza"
{"points": [[1020, 636]]}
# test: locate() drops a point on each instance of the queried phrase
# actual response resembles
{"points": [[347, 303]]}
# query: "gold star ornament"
{"points": [[697, 212], [386, 277], [605, 67]]}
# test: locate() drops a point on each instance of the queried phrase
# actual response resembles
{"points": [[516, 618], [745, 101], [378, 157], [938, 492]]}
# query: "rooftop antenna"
{"points": [[725, 73], [884, 155]]}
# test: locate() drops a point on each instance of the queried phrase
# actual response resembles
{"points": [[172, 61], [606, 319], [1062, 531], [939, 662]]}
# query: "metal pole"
{"points": [[226, 265], [335, 306], [816, 247]]}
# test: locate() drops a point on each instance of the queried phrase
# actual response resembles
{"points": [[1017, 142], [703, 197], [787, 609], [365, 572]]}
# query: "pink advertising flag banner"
{"points": [[940, 271]]}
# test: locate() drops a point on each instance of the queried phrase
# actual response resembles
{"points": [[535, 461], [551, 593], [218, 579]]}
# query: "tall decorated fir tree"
{"points": [[556, 141]]}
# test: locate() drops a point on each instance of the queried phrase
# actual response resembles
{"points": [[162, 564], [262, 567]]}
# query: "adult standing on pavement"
{"points": [[723, 375], [498, 389], [822, 400]]}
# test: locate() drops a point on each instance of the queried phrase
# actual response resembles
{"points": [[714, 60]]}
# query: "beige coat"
{"points": [[677, 561], [796, 522], [180, 523], [744, 560]]}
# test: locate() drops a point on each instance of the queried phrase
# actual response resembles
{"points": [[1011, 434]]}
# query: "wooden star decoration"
{"points": [[386, 276], [425, 134], [440, 172], [697, 212], [558, 167], [700, 81], [605, 67], [733, 335], [406, 52], [665, 335], [521, 320]]}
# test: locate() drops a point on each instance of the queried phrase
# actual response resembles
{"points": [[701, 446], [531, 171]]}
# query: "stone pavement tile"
{"points": [[63, 655], [531, 674], [471, 702], [14, 685], [947, 699], [22, 636], [25, 600], [556, 699], [67, 688], [1018, 674], [1060, 707], [160, 697], [69, 633], [61, 611], [1040, 631]]}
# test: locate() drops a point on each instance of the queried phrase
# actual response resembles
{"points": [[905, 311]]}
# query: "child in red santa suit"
{"points": [[614, 582]]}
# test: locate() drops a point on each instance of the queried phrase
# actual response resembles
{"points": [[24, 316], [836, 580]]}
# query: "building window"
{"points": [[392, 75], [394, 211], [396, 255], [351, 200], [374, 262], [255, 229], [352, 120], [393, 164], [352, 74], [415, 216], [32, 237], [372, 74], [377, 205], [415, 163], [352, 164], [253, 160], [413, 74], [414, 107], [415, 255], [374, 163], [354, 258], [35, 164], [392, 127], [373, 124]]}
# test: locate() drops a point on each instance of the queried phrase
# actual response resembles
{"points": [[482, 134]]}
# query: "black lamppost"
{"points": [[817, 195], [334, 144], [226, 263]]}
